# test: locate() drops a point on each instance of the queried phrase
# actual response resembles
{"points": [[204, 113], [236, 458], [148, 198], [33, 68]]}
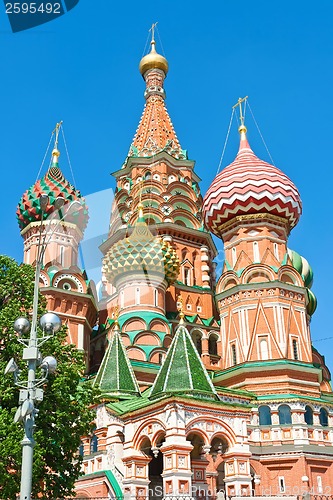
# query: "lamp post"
{"points": [[31, 391]]}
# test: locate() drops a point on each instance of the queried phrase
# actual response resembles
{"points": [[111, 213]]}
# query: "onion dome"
{"points": [[54, 185], [249, 186], [153, 60], [302, 266], [312, 302], [143, 253]]}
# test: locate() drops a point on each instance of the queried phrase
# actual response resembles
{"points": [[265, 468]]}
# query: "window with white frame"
{"points": [[282, 484], [256, 256], [137, 296], [263, 348]]}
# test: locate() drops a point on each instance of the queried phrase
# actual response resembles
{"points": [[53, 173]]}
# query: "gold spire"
{"points": [[55, 152], [153, 59], [241, 129], [180, 307]]}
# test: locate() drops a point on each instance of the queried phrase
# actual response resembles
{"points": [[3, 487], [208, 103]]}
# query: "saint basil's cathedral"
{"points": [[208, 384]]}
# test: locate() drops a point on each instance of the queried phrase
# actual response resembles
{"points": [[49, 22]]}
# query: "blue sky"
{"points": [[83, 69]]}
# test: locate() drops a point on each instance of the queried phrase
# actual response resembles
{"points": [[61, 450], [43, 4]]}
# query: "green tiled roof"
{"points": [[115, 377], [182, 370]]}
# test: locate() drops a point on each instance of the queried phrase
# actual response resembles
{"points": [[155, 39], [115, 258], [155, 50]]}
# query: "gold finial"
{"points": [[116, 316], [180, 307], [153, 59], [140, 208], [242, 129], [55, 152]]}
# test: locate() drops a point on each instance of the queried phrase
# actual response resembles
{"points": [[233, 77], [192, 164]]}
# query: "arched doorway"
{"points": [[219, 446], [155, 467], [199, 464]]}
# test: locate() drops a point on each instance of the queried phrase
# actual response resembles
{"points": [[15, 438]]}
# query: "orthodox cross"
{"points": [[152, 29], [239, 103]]}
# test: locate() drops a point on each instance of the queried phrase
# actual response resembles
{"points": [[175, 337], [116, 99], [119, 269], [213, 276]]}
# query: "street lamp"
{"points": [[31, 391]]}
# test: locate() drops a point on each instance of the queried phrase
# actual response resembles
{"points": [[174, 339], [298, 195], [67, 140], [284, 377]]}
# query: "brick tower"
{"points": [[65, 286]]}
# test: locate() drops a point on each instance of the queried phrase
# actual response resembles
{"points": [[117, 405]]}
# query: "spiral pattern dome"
{"points": [[248, 186], [142, 253], [54, 185]]}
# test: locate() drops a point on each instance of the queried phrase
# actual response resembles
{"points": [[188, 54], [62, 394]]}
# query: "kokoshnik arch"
{"points": [[206, 384]]}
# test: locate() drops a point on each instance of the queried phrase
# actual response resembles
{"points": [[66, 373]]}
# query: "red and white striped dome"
{"points": [[248, 186]]}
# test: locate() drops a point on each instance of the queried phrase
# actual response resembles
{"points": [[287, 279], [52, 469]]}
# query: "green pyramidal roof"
{"points": [[182, 370], [115, 377]]}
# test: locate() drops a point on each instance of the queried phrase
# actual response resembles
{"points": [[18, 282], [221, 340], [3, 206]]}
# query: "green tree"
{"points": [[64, 414]]}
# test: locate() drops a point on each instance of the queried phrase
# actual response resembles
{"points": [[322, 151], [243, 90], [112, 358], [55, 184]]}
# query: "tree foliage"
{"points": [[64, 415]]}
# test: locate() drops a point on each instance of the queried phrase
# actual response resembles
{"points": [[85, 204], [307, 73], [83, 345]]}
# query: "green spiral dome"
{"points": [[54, 185]]}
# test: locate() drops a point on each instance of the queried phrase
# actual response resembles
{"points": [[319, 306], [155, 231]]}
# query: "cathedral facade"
{"points": [[208, 385]]}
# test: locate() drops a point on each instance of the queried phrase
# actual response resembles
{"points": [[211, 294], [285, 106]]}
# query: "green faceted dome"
{"points": [[54, 185], [143, 253]]}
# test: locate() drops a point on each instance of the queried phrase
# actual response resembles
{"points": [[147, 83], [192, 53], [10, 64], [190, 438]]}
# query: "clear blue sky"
{"points": [[82, 68]]}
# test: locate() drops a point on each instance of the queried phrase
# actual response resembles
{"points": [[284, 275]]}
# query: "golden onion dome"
{"points": [[153, 60]]}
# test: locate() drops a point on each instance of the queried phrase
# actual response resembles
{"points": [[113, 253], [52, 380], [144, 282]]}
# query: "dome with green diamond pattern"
{"points": [[141, 252]]}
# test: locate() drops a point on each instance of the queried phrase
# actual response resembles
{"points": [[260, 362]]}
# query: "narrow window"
{"points": [[81, 450], [276, 251], [234, 255], [308, 415], [282, 484], [122, 300], [187, 276], [156, 297], [295, 349], [137, 296], [319, 484], [234, 354], [256, 256], [284, 414], [197, 342], [323, 417], [263, 348], [62, 255], [265, 417], [94, 444], [212, 345]]}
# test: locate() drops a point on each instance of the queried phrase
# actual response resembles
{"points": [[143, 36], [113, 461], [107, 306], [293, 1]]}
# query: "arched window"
{"points": [[256, 256], [156, 297], [295, 349], [197, 342], [308, 415], [234, 354], [263, 348], [187, 276], [212, 345], [323, 417], [284, 414], [94, 444], [265, 415]]}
